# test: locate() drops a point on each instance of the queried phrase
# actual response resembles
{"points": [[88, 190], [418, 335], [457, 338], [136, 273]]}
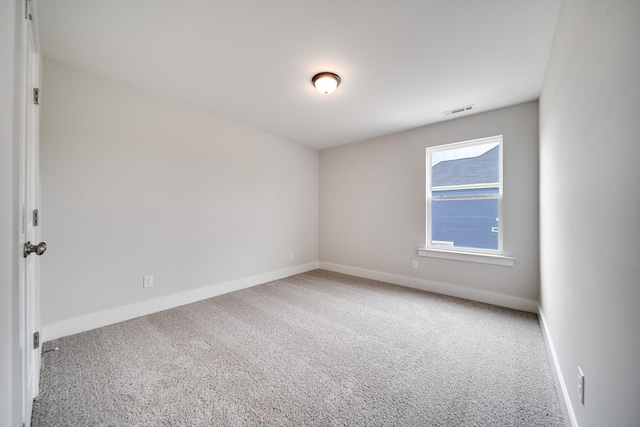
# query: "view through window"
{"points": [[464, 196]]}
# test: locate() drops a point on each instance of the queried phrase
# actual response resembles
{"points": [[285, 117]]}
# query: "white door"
{"points": [[29, 194]]}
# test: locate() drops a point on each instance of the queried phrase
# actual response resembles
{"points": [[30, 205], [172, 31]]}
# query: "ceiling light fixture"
{"points": [[326, 82]]}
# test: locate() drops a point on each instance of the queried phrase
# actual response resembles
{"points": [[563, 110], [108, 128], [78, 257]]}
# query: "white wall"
{"points": [[372, 208], [10, 68], [135, 185], [590, 207]]}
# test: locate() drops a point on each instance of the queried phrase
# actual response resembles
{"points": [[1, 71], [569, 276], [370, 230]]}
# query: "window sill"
{"points": [[468, 256]]}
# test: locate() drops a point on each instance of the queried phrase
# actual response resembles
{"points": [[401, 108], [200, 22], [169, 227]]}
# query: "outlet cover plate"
{"points": [[147, 281], [581, 385]]}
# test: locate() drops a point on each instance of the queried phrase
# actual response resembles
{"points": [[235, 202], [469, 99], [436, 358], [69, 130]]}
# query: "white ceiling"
{"points": [[402, 62]]}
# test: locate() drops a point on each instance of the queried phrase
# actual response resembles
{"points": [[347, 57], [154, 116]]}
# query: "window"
{"points": [[464, 197]]}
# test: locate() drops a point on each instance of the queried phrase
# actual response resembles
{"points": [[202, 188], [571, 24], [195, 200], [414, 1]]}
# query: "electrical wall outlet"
{"points": [[580, 385], [147, 281], [414, 264]]}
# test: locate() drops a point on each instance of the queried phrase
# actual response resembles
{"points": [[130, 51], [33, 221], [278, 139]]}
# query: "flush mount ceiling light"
{"points": [[326, 82]]}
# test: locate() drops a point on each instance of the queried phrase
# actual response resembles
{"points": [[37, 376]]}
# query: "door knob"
{"points": [[39, 249]]}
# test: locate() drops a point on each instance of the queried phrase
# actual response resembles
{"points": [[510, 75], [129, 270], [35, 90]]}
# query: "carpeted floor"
{"points": [[316, 349]]}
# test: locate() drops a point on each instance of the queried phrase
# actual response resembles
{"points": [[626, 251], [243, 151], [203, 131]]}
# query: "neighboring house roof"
{"points": [[473, 170]]}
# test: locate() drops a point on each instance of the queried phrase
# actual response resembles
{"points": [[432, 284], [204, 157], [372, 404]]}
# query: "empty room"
{"points": [[288, 213]]}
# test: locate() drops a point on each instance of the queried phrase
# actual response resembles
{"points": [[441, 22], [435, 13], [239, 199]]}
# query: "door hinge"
{"points": [[27, 12], [35, 217], [36, 340], [36, 96]]}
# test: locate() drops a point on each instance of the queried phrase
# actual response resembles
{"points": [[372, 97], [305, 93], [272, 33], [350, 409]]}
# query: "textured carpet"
{"points": [[316, 349]]}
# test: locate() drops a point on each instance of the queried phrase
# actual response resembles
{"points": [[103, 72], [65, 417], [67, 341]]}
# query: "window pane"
{"points": [[465, 223], [477, 164]]}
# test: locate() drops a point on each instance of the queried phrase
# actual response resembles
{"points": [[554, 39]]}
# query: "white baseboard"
{"points": [[440, 288], [108, 317], [565, 402]]}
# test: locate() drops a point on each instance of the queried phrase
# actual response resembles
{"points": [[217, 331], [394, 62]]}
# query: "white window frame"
{"points": [[490, 256]]}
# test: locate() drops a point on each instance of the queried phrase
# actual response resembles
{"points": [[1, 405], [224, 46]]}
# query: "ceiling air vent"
{"points": [[458, 110]]}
